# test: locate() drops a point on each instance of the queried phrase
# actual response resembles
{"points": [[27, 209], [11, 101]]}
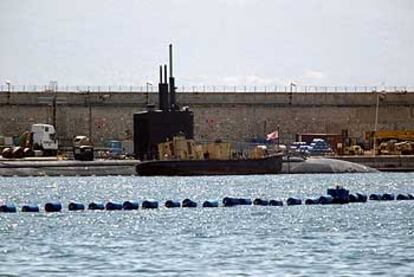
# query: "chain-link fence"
{"points": [[53, 87]]}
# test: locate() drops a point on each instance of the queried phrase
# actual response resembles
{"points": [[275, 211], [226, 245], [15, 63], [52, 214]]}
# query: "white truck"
{"points": [[44, 138]]}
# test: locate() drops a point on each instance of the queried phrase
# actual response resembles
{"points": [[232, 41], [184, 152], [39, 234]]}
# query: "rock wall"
{"points": [[229, 116]]}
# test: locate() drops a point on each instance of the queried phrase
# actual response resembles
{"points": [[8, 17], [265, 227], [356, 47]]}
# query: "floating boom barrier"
{"points": [[337, 195]]}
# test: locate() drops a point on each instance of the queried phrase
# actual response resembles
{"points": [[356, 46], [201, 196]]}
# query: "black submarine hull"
{"points": [[267, 165]]}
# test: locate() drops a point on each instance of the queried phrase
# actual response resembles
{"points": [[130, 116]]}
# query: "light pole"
{"points": [[8, 83], [291, 92], [147, 93], [378, 96]]}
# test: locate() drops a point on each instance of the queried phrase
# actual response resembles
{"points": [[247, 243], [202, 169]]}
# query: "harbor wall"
{"points": [[228, 116]]}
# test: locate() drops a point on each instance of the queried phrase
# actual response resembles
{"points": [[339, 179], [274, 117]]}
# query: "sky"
{"points": [[216, 42]]}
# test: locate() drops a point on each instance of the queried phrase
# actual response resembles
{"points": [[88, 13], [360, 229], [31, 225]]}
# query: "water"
{"points": [[375, 238]]}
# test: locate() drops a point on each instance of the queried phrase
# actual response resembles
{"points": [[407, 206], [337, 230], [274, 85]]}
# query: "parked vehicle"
{"points": [[115, 150], [82, 148], [319, 146], [43, 137]]}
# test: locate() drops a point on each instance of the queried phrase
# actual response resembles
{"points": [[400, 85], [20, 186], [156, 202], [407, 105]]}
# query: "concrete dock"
{"points": [[66, 168], [53, 167], [399, 163]]}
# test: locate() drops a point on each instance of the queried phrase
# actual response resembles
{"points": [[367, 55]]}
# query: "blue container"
{"points": [[273, 202], [113, 206], [7, 208], [188, 203], [260, 202], [75, 206], [96, 206], [230, 201], [130, 205], [311, 201], [211, 204], [339, 194], [51, 207], [30, 208], [172, 204], [326, 200], [293, 201], [150, 204], [375, 197], [388, 197], [402, 197]]}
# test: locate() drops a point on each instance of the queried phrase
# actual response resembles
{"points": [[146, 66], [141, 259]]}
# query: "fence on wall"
{"points": [[203, 88]]}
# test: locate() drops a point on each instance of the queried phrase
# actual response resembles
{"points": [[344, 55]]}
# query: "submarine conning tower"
{"points": [[152, 127]]}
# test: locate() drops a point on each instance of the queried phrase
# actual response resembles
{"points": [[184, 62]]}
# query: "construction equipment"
{"points": [[353, 150], [393, 147], [401, 135], [39, 141], [392, 142]]}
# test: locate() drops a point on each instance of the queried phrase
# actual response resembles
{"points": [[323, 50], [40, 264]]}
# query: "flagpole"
{"points": [[278, 136]]}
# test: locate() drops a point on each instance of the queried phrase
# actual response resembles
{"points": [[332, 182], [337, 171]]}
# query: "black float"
{"points": [[172, 204], [130, 205], [75, 206], [113, 206], [53, 207], [96, 206]]}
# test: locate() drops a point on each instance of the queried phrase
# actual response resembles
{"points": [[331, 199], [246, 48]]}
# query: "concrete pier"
{"points": [[127, 167]]}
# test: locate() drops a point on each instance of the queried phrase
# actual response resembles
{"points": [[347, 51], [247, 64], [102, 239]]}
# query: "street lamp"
{"points": [[291, 86], [147, 95], [8, 83], [291, 91]]}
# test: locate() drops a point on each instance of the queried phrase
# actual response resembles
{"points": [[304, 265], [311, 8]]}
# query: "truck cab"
{"points": [[44, 138]]}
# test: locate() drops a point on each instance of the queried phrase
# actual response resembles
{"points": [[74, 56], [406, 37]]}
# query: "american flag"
{"points": [[272, 136]]}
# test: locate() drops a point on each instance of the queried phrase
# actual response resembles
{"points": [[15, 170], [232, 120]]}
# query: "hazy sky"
{"points": [[253, 42]]}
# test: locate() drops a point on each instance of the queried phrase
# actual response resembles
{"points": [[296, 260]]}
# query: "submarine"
{"points": [[164, 142]]}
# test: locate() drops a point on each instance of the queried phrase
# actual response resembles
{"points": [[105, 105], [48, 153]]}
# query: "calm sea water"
{"points": [[375, 238]]}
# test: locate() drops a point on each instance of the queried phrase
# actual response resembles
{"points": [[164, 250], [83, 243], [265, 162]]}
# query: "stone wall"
{"points": [[229, 116]]}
